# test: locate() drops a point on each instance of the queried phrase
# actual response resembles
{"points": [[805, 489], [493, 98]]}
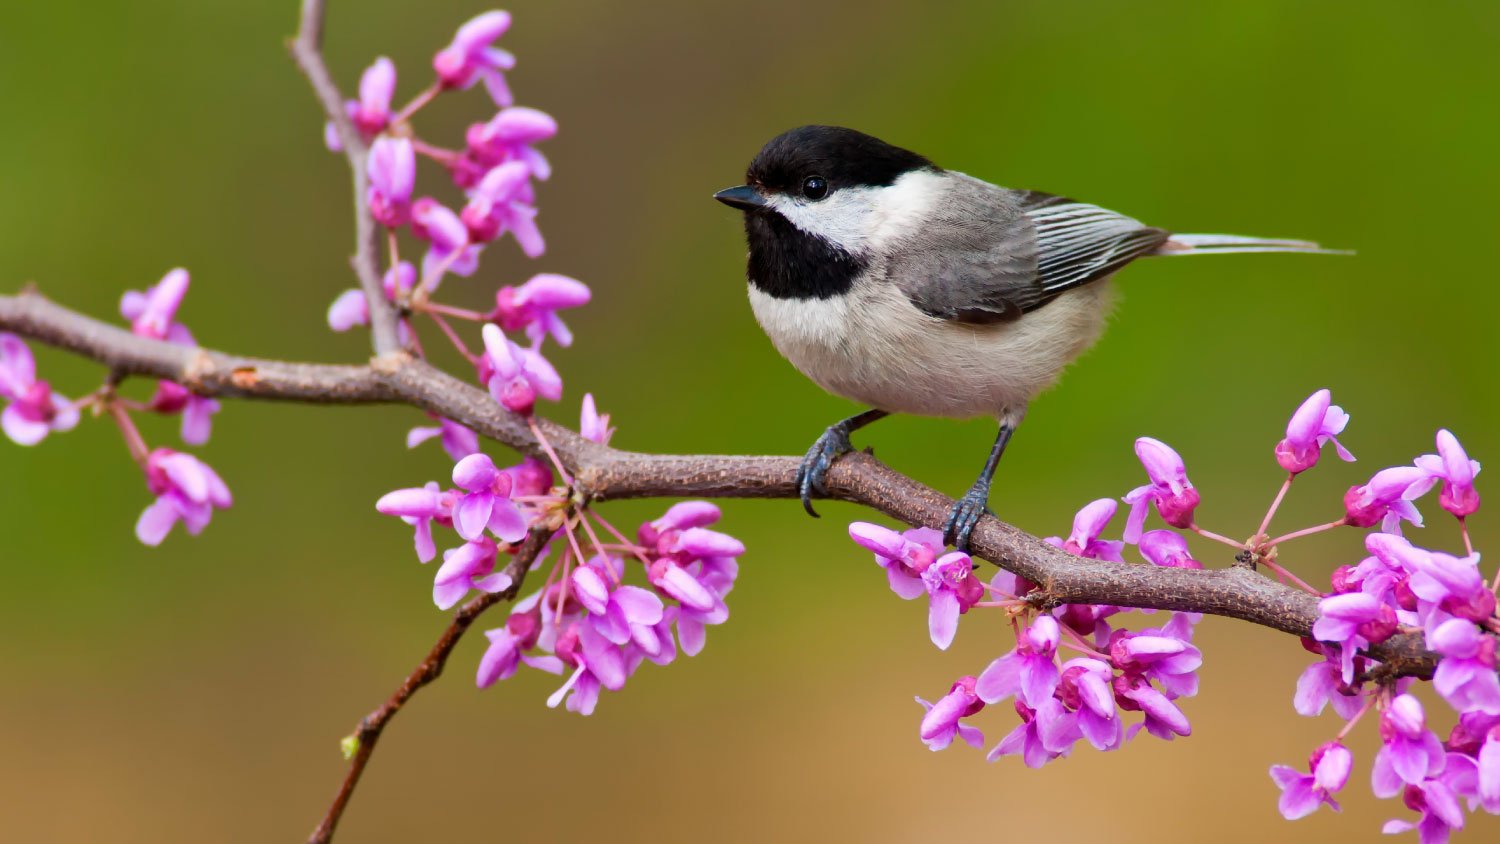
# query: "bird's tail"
{"points": [[1216, 244]]}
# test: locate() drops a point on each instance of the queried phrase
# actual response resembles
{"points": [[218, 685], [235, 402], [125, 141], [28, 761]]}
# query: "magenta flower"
{"points": [[1465, 675], [619, 613], [592, 425], [1457, 472], [1167, 549], [599, 664], [507, 644], [1029, 671], [1163, 719], [1349, 621], [392, 170], [469, 566], [952, 589], [1386, 499], [696, 567], [186, 490], [500, 203], [1321, 684], [1410, 751], [1045, 733], [449, 249], [904, 556], [472, 55], [1443, 585], [534, 305], [32, 410], [1441, 811], [420, 507], [509, 136], [486, 503], [458, 441], [679, 517], [197, 411], [153, 313], [1301, 794], [1169, 490], [941, 722], [517, 376], [1085, 688], [1084, 541], [1316, 422], [371, 113]]}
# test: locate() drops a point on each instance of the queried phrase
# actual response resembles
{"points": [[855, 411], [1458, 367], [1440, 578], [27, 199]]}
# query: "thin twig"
{"points": [[370, 727], [307, 50]]}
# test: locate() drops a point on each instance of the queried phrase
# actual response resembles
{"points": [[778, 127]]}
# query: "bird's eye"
{"points": [[814, 187]]}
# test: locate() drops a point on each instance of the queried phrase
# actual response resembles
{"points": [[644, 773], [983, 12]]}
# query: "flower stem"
{"points": [[1208, 534], [1286, 575], [1298, 534], [1369, 702], [139, 451], [551, 453], [426, 96], [456, 313], [1275, 505], [453, 338]]}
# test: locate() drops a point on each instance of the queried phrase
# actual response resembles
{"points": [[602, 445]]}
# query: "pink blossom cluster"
{"points": [[495, 169], [1397, 588], [585, 620]]}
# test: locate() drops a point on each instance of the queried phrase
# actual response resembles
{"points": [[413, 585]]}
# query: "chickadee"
{"points": [[913, 289]]}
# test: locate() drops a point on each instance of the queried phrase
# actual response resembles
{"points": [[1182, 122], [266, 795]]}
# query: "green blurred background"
{"points": [[198, 691]]}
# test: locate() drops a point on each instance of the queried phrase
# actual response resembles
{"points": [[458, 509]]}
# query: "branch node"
{"points": [[391, 362]]}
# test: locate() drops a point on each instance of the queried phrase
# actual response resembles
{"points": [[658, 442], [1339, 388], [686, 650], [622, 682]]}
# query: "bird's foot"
{"points": [[966, 513], [814, 468]]}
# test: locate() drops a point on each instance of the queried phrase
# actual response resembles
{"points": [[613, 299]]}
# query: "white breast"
{"points": [[875, 347]]}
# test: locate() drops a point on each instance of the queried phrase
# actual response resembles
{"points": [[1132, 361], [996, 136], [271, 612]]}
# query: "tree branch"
{"points": [[307, 50], [601, 473], [428, 670]]}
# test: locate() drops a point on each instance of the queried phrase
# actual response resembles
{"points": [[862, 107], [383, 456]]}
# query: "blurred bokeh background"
{"points": [[198, 691]]}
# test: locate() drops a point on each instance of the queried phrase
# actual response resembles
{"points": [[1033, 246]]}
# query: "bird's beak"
{"points": [[743, 197]]}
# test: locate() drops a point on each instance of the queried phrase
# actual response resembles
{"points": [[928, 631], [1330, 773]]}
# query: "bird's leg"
{"points": [[833, 444], [968, 510]]}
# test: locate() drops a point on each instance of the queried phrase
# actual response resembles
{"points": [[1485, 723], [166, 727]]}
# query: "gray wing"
{"points": [[995, 254]]}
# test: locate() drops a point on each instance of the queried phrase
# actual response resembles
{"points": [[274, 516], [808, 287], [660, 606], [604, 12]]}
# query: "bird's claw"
{"points": [[833, 444], [966, 513]]}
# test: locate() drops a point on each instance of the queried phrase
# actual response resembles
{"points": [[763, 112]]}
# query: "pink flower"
{"points": [[371, 113], [1457, 472], [197, 411], [420, 507], [458, 441], [32, 410], [1410, 751], [1322, 683], [1316, 422], [592, 425], [1465, 675], [534, 305], [472, 56], [952, 589], [1167, 549], [904, 556], [1084, 541], [1029, 671], [620, 613], [503, 656], [509, 136], [186, 490], [1301, 794], [486, 503], [469, 566], [500, 203], [941, 722], [599, 664], [449, 249], [1045, 733], [153, 313], [1169, 490], [1386, 499], [517, 376], [392, 170], [1084, 687]]}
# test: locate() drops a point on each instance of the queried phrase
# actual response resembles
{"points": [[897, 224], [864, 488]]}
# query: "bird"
{"points": [[910, 288]]}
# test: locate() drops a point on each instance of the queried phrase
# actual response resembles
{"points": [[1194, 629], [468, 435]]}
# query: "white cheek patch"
{"points": [[861, 219]]}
